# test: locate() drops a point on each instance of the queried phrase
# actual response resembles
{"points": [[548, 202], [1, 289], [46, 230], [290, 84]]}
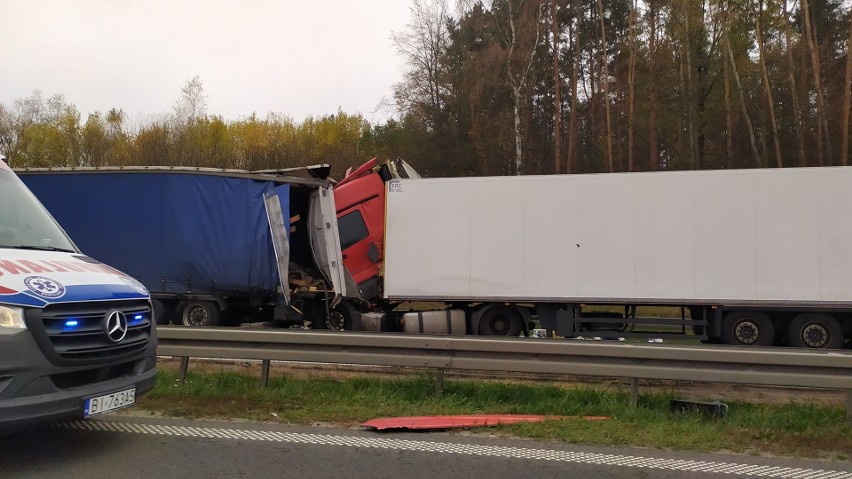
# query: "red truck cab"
{"points": [[360, 200]]}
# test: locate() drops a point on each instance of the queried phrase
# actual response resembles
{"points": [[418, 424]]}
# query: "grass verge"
{"points": [[799, 430]]}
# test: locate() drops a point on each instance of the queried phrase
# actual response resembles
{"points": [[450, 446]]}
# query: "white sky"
{"points": [[296, 57]]}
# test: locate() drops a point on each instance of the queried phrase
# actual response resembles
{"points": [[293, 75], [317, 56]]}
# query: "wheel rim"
{"points": [[746, 332], [195, 316], [335, 320], [815, 335]]}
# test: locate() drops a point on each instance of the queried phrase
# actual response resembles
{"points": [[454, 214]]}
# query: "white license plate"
{"points": [[110, 402]]}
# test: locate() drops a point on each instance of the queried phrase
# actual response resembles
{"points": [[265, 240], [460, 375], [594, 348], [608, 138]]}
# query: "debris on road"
{"points": [[463, 421]]}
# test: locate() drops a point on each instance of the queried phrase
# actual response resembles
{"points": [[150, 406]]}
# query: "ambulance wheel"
{"points": [[197, 313]]}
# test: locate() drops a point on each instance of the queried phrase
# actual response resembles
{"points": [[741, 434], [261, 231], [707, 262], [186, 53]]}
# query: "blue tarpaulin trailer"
{"points": [[200, 240]]}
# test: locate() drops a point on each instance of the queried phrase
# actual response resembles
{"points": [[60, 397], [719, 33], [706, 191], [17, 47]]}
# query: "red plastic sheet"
{"points": [[465, 421]]}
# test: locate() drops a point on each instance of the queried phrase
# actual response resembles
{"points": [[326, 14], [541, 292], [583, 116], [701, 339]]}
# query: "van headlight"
{"points": [[11, 317]]}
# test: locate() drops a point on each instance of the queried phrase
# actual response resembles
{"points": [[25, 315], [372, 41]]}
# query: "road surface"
{"points": [[155, 448]]}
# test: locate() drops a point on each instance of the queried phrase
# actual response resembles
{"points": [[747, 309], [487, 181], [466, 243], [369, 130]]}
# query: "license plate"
{"points": [[110, 402]]}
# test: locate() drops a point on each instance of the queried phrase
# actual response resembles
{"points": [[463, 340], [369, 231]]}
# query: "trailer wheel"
{"points": [[342, 317], [163, 312], [501, 321], [748, 329], [197, 313], [816, 331]]}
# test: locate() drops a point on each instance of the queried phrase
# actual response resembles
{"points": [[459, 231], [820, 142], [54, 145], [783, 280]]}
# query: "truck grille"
{"points": [[76, 332]]}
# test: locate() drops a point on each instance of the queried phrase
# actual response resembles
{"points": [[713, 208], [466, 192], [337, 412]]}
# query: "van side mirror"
{"points": [[385, 173], [373, 252]]}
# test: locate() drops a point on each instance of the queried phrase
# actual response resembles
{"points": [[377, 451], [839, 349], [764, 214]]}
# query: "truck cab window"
{"points": [[352, 229]]}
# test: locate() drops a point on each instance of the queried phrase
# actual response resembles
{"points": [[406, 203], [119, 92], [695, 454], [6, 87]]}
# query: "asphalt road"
{"points": [[152, 448]]}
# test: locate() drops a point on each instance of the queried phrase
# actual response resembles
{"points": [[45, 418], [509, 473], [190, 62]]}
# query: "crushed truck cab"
{"points": [[77, 337]]}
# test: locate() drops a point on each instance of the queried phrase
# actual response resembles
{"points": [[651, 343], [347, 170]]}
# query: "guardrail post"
{"points": [[264, 373], [706, 364], [634, 392], [184, 365], [439, 382], [849, 406]]}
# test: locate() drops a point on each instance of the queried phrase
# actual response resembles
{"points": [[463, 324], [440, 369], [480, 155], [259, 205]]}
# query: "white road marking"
{"points": [[465, 449]]}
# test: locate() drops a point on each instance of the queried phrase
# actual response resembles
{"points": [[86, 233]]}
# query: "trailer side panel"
{"points": [[691, 237], [175, 232]]}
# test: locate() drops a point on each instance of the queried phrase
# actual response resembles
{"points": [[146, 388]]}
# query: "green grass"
{"points": [[802, 430]]}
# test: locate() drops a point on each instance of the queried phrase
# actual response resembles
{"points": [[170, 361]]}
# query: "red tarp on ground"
{"points": [[474, 420]]}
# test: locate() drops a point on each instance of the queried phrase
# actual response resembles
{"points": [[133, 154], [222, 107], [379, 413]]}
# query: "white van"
{"points": [[77, 337]]}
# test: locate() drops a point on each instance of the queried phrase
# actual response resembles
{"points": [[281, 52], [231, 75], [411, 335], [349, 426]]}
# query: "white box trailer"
{"points": [[758, 256]]}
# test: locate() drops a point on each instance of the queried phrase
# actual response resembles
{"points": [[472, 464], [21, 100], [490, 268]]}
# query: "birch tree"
{"points": [[192, 103], [653, 153], [730, 56], [557, 82], [847, 90], [577, 47], [523, 20], [422, 46], [729, 114]]}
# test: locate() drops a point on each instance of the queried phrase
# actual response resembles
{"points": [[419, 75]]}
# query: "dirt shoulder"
{"points": [[693, 391]]}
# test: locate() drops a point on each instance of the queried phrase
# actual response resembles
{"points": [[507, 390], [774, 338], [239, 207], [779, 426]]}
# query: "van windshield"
{"points": [[24, 223]]}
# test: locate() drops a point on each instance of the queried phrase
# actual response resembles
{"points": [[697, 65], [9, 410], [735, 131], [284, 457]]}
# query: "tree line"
{"points": [[48, 132], [503, 87], [544, 86]]}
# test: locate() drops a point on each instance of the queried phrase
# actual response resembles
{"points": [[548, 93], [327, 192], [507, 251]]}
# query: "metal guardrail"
{"points": [[717, 364]]}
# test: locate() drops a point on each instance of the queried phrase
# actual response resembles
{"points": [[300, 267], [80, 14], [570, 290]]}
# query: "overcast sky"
{"points": [[296, 57]]}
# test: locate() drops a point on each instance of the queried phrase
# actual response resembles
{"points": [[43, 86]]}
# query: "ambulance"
{"points": [[77, 337]]}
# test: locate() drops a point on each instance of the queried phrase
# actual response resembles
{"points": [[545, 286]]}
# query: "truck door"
{"points": [[361, 230], [277, 202], [361, 220], [325, 241]]}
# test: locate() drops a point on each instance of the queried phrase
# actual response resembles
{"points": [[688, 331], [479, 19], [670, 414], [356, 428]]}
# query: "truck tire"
{"points": [[748, 329], [313, 313], [815, 331], [163, 311], [342, 317], [500, 321], [197, 313]]}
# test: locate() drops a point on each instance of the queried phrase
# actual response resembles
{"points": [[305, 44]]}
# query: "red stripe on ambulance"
{"points": [[29, 267]]}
